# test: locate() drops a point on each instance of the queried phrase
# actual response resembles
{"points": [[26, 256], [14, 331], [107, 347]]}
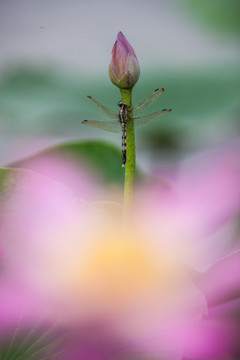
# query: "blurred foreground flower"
{"points": [[148, 291], [124, 69]]}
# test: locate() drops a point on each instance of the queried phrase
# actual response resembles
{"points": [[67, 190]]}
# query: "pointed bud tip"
{"points": [[121, 37]]}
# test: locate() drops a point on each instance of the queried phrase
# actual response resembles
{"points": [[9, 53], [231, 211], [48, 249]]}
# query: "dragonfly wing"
{"points": [[104, 109], [147, 118], [112, 126], [142, 105]]}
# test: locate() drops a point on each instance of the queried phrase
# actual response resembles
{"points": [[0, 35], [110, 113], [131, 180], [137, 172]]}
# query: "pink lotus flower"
{"points": [[146, 292], [124, 69]]}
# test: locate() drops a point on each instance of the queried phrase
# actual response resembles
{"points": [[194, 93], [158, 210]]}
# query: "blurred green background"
{"points": [[54, 53]]}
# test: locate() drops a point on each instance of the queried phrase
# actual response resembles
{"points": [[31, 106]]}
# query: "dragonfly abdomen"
{"points": [[124, 145], [123, 120]]}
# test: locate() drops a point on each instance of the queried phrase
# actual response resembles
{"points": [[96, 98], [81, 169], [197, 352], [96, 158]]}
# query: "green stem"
{"points": [[131, 157]]}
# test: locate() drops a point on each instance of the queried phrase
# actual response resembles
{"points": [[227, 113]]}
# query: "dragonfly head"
{"points": [[121, 103]]}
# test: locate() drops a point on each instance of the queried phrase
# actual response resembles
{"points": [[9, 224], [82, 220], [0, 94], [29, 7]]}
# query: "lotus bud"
{"points": [[124, 70]]}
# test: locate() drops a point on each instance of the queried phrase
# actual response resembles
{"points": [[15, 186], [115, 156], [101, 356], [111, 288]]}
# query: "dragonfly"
{"points": [[120, 119]]}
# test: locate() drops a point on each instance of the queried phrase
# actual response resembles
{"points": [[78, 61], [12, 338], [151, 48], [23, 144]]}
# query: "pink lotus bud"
{"points": [[124, 69]]}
